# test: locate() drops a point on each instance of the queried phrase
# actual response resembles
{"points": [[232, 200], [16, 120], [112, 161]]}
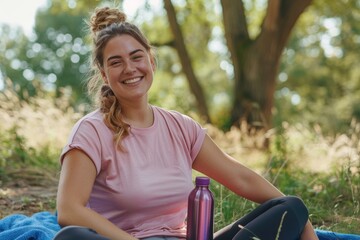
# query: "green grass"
{"points": [[323, 170], [334, 207]]}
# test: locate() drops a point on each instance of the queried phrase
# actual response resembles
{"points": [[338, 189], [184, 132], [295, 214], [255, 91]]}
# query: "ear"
{"points": [[153, 63], [103, 75]]}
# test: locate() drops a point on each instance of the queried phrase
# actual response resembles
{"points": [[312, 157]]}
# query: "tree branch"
{"points": [[290, 12], [236, 30], [234, 18], [279, 21], [186, 61], [272, 15]]}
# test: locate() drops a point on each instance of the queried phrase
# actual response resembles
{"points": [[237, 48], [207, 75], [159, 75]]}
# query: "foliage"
{"points": [[316, 85], [13, 60], [61, 32], [32, 131], [204, 58], [319, 76], [315, 153], [323, 170], [332, 199]]}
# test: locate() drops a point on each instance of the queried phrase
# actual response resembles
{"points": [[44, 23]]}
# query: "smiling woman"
{"points": [[127, 168], [128, 69]]}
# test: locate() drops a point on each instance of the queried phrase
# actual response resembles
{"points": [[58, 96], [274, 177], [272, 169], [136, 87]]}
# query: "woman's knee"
{"points": [[297, 207]]}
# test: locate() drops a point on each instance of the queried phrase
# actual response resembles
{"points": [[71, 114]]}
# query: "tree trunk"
{"points": [[185, 60], [256, 61]]}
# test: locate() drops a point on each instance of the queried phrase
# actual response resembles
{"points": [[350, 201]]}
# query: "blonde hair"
{"points": [[106, 23]]}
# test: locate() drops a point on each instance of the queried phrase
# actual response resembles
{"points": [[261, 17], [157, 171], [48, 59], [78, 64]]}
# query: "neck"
{"points": [[138, 115]]}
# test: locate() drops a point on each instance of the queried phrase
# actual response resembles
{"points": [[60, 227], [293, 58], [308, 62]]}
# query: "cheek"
{"points": [[112, 73], [147, 67]]}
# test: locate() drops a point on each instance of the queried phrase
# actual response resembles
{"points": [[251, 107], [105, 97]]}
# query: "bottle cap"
{"points": [[202, 181]]}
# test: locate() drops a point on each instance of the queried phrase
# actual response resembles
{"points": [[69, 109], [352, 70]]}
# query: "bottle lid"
{"points": [[202, 181]]}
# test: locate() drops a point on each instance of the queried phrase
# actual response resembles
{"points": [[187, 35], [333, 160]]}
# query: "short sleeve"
{"points": [[85, 137], [192, 131], [197, 133]]}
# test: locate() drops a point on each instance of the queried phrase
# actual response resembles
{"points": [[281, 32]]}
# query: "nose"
{"points": [[129, 67]]}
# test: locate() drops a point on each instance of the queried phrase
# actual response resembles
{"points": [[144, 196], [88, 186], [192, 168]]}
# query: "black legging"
{"points": [[283, 217]]}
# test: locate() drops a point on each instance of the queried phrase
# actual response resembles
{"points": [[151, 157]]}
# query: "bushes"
{"points": [[323, 170], [33, 131]]}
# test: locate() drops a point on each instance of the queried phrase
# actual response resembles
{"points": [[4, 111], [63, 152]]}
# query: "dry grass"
{"points": [[42, 121], [46, 121], [323, 169], [307, 149]]}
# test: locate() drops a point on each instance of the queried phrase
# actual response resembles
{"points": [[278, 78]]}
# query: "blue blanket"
{"points": [[44, 226], [328, 235], [39, 226]]}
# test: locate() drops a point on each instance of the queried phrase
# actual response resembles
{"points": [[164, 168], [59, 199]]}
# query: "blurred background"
{"points": [[277, 84]]}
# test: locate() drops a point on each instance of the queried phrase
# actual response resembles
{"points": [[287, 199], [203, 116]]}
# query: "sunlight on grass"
{"points": [[38, 125], [41, 121], [300, 160]]}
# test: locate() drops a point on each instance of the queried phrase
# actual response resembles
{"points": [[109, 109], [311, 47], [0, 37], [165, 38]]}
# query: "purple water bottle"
{"points": [[200, 211]]}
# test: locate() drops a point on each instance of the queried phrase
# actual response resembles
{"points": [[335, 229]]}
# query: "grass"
{"points": [[323, 171], [301, 160]]}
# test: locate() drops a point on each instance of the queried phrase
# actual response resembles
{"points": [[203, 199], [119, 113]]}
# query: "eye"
{"points": [[136, 57], [114, 63]]}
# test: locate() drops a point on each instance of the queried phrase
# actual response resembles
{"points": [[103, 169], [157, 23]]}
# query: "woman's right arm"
{"points": [[77, 177]]}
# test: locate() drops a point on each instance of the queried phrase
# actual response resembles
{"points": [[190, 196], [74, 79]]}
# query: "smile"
{"points": [[133, 80]]}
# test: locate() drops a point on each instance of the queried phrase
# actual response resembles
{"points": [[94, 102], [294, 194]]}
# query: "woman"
{"points": [[126, 170]]}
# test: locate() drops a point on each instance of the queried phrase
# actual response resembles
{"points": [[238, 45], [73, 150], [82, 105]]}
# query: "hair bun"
{"points": [[104, 17]]}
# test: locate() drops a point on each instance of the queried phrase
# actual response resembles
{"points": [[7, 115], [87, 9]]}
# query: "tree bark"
{"points": [[256, 61], [185, 60]]}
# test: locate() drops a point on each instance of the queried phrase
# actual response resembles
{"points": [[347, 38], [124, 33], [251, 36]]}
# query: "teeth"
{"points": [[132, 80]]}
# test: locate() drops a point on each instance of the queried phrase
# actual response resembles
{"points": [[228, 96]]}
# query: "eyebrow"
{"points": [[131, 53]]}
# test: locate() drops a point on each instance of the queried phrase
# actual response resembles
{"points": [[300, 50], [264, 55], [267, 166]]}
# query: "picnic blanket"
{"points": [[39, 226], [329, 235], [44, 226]]}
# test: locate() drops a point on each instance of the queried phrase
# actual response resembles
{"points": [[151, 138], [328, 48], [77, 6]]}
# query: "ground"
{"points": [[27, 191]]}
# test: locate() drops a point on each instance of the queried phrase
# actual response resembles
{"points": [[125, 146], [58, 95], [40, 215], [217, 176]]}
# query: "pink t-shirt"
{"points": [[144, 190]]}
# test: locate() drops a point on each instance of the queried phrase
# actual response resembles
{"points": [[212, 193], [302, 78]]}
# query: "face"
{"points": [[128, 68]]}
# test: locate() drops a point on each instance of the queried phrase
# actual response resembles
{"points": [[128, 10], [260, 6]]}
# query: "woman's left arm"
{"points": [[221, 167]]}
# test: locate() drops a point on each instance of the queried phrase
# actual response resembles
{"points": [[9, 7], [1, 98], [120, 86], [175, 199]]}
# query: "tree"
{"points": [[14, 66], [53, 58], [235, 80], [64, 52], [256, 60], [319, 68], [185, 60]]}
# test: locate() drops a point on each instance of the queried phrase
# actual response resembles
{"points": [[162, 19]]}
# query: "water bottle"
{"points": [[200, 211]]}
